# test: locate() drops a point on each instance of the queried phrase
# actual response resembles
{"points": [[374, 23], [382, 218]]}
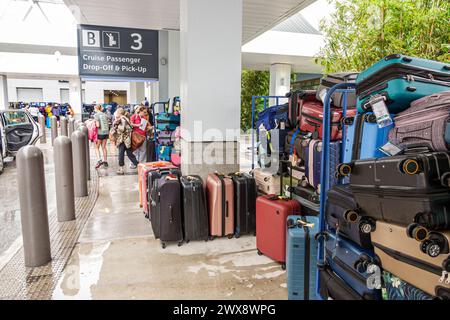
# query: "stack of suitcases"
{"points": [[168, 132], [388, 227]]}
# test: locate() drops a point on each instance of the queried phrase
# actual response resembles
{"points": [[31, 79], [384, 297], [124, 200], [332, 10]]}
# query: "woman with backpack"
{"points": [[121, 136]]}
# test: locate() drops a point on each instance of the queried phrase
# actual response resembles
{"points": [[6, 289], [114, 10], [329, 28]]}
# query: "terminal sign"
{"points": [[122, 53]]}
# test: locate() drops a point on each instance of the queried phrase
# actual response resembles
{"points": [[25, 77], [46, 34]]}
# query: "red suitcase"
{"points": [[271, 218], [297, 99], [311, 120]]}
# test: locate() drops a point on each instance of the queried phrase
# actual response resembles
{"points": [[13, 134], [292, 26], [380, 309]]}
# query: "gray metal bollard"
{"points": [[33, 206], [65, 194], [85, 130], [54, 125], [71, 128], [43, 129], [79, 163], [63, 124]]}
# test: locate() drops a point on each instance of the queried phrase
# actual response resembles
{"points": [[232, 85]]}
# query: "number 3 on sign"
{"points": [[137, 38]]}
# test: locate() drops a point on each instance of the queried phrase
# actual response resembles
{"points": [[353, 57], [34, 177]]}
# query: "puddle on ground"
{"points": [[82, 273]]}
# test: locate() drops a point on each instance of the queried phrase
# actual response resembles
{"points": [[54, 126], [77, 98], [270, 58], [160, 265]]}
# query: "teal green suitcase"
{"points": [[401, 80]]}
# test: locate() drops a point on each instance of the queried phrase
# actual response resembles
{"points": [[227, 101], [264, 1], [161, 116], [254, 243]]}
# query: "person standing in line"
{"points": [[122, 136], [102, 124], [141, 126]]}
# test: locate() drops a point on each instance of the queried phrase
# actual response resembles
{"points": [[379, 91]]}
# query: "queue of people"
{"points": [[130, 133]]}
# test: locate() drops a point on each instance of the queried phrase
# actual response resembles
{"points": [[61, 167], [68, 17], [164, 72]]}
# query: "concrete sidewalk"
{"points": [[117, 257]]}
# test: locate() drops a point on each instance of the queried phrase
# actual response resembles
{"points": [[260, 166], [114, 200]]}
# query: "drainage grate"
{"points": [[20, 283]]}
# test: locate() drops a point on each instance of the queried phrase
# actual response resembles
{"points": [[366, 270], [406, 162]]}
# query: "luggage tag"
{"points": [[390, 149], [378, 104]]}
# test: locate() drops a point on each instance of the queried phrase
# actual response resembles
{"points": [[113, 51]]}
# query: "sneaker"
{"points": [[133, 167], [105, 164], [120, 172], [99, 164]]}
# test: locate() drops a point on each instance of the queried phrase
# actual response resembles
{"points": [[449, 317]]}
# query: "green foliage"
{"points": [[254, 83], [361, 32]]}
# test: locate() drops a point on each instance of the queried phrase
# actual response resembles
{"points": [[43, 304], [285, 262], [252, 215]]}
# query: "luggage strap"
{"points": [[294, 137], [311, 161]]}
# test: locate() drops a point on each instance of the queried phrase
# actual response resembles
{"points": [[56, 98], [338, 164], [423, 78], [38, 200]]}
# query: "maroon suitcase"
{"points": [[271, 218], [311, 120]]}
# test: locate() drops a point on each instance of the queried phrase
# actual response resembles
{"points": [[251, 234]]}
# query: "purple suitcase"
{"points": [[166, 138], [313, 159], [426, 123]]}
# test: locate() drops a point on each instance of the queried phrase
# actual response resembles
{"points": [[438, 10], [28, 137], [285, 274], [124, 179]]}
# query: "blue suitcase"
{"points": [[350, 263], [313, 159], [164, 153], [364, 138], [301, 257], [401, 80], [167, 121]]}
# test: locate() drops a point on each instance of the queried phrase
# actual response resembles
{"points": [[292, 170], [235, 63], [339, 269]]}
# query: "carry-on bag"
{"points": [[426, 123], [245, 193], [296, 100], [271, 216], [332, 287], [313, 162], [311, 120], [195, 213], [352, 264], [167, 121], [339, 211], [266, 182], [168, 209], [143, 170], [152, 187], [404, 190], [364, 138], [403, 257], [401, 80], [338, 97], [220, 200], [395, 289], [301, 257]]}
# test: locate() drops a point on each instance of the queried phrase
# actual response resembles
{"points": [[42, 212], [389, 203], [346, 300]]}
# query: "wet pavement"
{"points": [[117, 257]]}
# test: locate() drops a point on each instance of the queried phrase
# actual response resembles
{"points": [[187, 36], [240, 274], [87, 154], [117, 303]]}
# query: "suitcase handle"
{"points": [[171, 213], [226, 209]]}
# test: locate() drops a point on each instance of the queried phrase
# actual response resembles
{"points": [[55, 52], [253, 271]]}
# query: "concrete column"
{"points": [[154, 92], [4, 101], [174, 64], [163, 65], [75, 97], [137, 92], [280, 80], [210, 74]]}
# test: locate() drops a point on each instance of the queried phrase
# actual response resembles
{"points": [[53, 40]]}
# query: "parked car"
{"points": [[17, 130]]}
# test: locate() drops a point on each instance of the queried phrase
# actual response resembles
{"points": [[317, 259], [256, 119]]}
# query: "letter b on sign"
{"points": [[91, 38]]}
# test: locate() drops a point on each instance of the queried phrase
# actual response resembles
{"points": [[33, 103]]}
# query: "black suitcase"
{"points": [[151, 150], [334, 288], [168, 209], [195, 214], [340, 207], [338, 98], [308, 198], [404, 190], [153, 196], [245, 204]]}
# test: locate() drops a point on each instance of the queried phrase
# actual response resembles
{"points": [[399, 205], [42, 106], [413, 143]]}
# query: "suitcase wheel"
{"points": [[411, 167], [187, 241], [283, 266], [260, 253], [211, 238], [431, 248], [344, 170], [163, 245], [180, 243], [351, 216], [367, 226], [417, 232], [445, 180]]}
